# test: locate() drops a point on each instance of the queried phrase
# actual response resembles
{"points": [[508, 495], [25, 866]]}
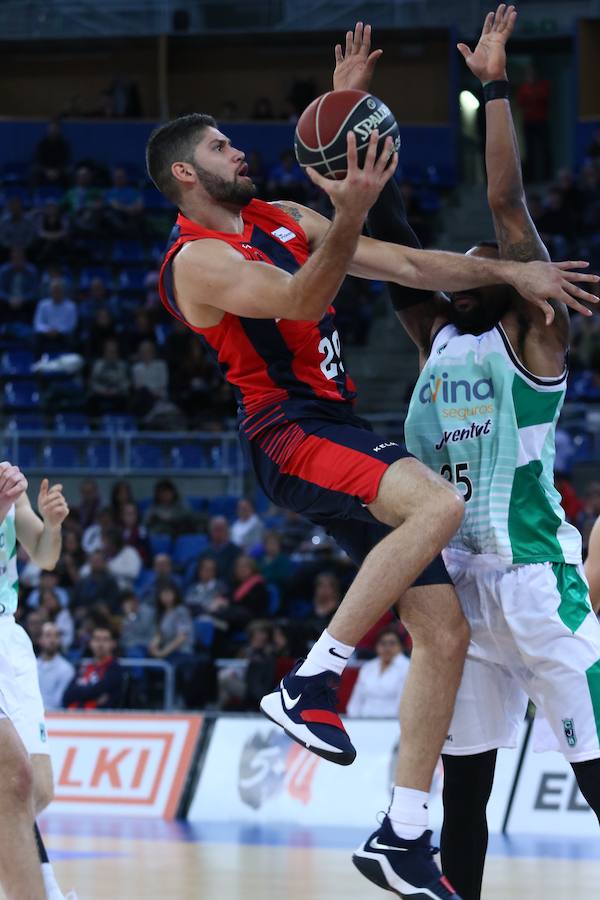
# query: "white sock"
{"points": [[326, 655], [53, 891], [409, 813]]}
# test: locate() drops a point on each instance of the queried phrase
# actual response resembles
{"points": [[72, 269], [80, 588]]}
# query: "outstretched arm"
{"points": [[516, 233]]}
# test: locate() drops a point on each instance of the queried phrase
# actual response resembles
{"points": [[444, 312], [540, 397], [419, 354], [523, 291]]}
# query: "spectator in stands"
{"points": [[585, 345], [72, 558], [51, 234], [242, 688], [326, 599], [122, 560], [263, 109], [125, 97], [248, 530], [109, 386], [48, 582], [380, 682], [250, 588], [101, 330], [55, 673], [206, 588], [90, 502], [138, 625], [52, 157], [96, 586], [591, 511], [276, 565], [572, 199], [33, 623], [555, 225], [134, 534], [16, 227], [221, 548], [570, 502], [98, 684], [125, 206], [83, 202], [294, 530], [174, 635], [18, 287], [120, 496], [287, 180], [150, 379], [139, 329], [533, 97], [168, 514], [162, 576], [97, 297], [93, 536], [55, 321], [50, 606], [193, 377]]}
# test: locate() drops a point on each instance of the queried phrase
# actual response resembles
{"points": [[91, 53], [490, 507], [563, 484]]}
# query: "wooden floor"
{"points": [[104, 860]]}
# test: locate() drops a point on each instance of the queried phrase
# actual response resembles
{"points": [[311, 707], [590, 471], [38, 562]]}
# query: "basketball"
{"points": [[320, 140]]}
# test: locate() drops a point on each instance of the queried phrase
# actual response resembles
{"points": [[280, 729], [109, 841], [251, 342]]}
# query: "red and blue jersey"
{"points": [[278, 367]]}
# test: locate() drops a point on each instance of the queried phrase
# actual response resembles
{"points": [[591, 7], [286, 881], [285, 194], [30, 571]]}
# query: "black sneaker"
{"points": [[305, 707], [405, 868]]}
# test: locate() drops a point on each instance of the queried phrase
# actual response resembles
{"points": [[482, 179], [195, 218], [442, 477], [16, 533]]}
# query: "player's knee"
{"points": [[449, 505], [19, 780]]}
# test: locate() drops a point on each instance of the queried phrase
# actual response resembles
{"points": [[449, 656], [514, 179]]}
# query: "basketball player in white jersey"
{"points": [[483, 414], [27, 787]]}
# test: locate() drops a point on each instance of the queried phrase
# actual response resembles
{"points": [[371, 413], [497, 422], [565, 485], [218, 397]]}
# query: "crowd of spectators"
{"points": [[230, 618]]}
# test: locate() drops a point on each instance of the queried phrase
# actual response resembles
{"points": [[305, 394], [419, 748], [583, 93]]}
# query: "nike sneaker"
{"points": [[405, 868], [306, 709]]}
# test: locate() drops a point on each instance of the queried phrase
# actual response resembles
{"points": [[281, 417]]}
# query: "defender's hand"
{"points": [[488, 61], [354, 196], [540, 281], [12, 484], [355, 65], [52, 504]]}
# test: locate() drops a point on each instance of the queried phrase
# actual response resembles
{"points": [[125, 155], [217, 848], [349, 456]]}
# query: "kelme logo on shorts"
{"points": [[569, 729], [43, 733]]}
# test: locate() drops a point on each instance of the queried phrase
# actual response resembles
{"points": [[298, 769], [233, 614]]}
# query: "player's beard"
{"points": [[238, 192]]}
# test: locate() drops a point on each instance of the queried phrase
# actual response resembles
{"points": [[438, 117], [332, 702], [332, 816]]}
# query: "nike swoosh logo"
{"points": [[376, 845], [339, 655], [287, 700]]}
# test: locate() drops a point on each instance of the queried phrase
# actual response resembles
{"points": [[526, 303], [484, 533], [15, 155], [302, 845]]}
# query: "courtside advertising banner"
{"points": [[253, 773], [121, 764]]}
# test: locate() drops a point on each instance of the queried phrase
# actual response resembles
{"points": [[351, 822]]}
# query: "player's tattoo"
{"points": [[530, 246], [292, 211]]}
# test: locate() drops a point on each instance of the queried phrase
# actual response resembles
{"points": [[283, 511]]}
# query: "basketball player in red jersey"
{"points": [[256, 283]]}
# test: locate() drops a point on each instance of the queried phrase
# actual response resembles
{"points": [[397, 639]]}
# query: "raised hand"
{"points": [[355, 65], [52, 505], [354, 195], [12, 483], [488, 61], [540, 282]]}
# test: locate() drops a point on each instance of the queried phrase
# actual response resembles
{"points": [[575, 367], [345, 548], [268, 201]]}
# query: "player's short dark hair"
{"points": [[172, 142]]}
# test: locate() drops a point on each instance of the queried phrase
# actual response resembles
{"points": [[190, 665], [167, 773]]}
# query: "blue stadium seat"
{"points": [[14, 173], [154, 200], [144, 580], [223, 505], [584, 448], [198, 504], [27, 455], [91, 272], [204, 631], [189, 547], [132, 280], [60, 456], [22, 395], [147, 456], [128, 251], [26, 422], [274, 599], [46, 193], [16, 363], [115, 423], [188, 456], [71, 421], [160, 543], [98, 455]]}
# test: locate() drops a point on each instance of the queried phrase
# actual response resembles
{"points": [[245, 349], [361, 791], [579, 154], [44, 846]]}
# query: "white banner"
{"points": [[254, 773], [121, 764]]}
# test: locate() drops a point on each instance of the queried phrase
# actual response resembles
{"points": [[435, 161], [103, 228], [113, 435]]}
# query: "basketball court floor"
{"points": [[103, 859]]}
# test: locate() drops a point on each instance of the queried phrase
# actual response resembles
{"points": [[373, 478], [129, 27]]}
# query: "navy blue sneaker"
{"points": [[305, 707], [405, 868]]}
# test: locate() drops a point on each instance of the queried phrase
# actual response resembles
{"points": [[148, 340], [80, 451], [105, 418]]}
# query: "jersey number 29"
{"points": [[459, 477], [332, 351]]}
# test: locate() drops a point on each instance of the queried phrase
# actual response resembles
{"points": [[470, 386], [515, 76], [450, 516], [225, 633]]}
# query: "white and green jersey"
{"points": [[9, 579], [479, 418]]}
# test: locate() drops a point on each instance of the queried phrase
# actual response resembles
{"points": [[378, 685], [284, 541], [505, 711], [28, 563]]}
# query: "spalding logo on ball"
{"points": [[320, 140]]}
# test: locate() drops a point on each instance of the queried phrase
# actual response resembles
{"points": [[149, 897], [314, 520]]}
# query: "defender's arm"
{"points": [[42, 537]]}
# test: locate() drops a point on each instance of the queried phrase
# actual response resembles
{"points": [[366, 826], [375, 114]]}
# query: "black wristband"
{"points": [[495, 90]]}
